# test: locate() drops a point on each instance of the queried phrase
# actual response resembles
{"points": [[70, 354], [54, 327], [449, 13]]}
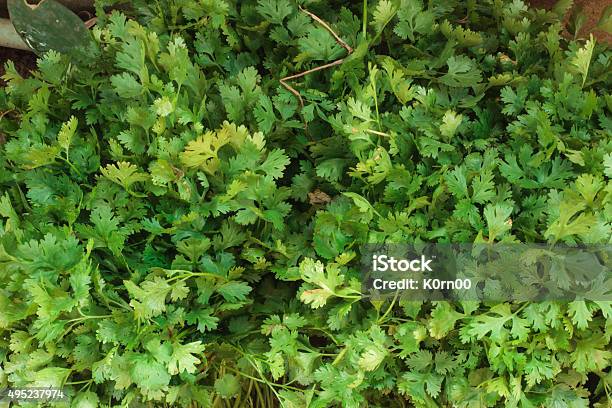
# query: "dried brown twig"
{"points": [[340, 41], [91, 22], [328, 28], [301, 74]]}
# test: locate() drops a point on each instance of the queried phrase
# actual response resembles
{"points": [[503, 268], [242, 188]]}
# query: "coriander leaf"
{"points": [[183, 358], [274, 10], [462, 72], [582, 59], [227, 386]]}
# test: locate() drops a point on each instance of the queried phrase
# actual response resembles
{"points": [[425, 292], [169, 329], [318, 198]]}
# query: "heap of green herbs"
{"points": [[181, 214]]}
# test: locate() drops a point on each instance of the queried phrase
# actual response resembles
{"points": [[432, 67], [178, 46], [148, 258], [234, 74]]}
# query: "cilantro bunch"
{"points": [[181, 215]]}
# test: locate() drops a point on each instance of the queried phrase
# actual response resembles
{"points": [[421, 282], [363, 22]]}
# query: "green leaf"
{"points": [[227, 386], [126, 85], [234, 291], [87, 399], [514, 101], [179, 291], [275, 163], [443, 319], [50, 377], [462, 72], [163, 106], [67, 132], [202, 152], [412, 20], [420, 386], [274, 11], [494, 324], [204, 318], [483, 187], [148, 373], [498, 220], [588, 186], [125, 174], [591, 354], [384, 12], [314, 273], [264, 114], [457, 182], [568, 223], [608, 165], [149, 299], [580, 313], [106, 232], [183, 358], [318, 45], [450, 123], [371, 358], [582, 60], [361, 203]]}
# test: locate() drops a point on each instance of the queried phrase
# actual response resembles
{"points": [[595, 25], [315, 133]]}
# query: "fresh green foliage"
{"points": [[176, 230]]}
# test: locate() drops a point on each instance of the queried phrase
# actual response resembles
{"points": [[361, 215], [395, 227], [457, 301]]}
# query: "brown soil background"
{"points": [[593, 9]]}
